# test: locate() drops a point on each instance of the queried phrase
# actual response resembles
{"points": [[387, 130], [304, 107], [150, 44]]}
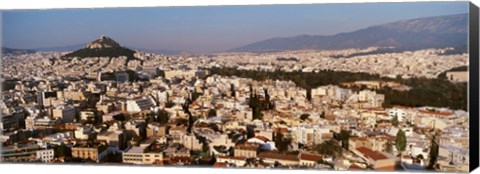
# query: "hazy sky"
{"points": [[203, 29]]}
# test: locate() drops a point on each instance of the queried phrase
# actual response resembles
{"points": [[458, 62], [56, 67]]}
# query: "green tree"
{"points": [[330, 148], [258, 105], [395, 121], [205, 147], [409, 123], [163, 117], [420, 157], [401, 141], [196, 95], [232, 90], [433, 153], [282, 142], [137, 139], [169, 104], [212, 113], [257, 114], [388, 147], [344, 136], [60, 151], [322, 115], [304, 116]]}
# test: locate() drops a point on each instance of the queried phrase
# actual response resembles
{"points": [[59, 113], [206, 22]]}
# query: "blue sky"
{"points": [[203, 29]]}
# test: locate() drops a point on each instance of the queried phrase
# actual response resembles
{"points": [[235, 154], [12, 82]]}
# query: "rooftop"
{"points": [[247, 146], [310, 157], [369, 153], [436, 113], [135, 149], [275, 155]]}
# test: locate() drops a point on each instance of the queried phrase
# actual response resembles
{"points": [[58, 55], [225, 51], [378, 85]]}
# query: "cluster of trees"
{"points": [[62, 151], [304, 116], [389, 147], [195, 96], [330, 148], [437, 92], [428, 92], [401, 144], [282, 142], [259, 104], [162, 117], [169, 104], [287, 59], [344, 137], [191, 119], [9, 84], [104, 52], [212, 113]]}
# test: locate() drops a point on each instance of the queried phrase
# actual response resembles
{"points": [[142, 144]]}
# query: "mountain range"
{"points": [[414, 34]]}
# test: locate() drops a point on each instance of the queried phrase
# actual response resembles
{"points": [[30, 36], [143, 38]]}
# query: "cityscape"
{"points": [[389, 97]]}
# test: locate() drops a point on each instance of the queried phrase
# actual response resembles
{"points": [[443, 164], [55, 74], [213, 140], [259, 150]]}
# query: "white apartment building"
{"points": [[138, 155], [400, 113], [45, 155], [140, 104], [309, 135]]}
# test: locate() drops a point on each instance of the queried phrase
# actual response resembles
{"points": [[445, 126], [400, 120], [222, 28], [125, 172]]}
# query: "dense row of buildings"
{"points": [[172, 112]]}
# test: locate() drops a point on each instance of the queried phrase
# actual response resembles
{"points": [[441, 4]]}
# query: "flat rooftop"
{"points": [[135, 149]]}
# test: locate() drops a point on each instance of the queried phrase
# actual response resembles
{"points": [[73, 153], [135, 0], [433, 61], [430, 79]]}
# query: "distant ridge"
{"points": [[102, 47], [414, 34], [6, 50], [60, 48], [159, 51]]}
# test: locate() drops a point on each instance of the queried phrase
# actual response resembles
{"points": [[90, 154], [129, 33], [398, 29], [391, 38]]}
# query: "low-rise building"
{"points": [[309, 159], [156, 130], [237, 161], [116, 139], [94, 151], [45, 155], [356, 142], [64, 113], [284, 159], [247, 150], [457, 76], [376, 159], [141, 155], [265, 143], [26, 153]]}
